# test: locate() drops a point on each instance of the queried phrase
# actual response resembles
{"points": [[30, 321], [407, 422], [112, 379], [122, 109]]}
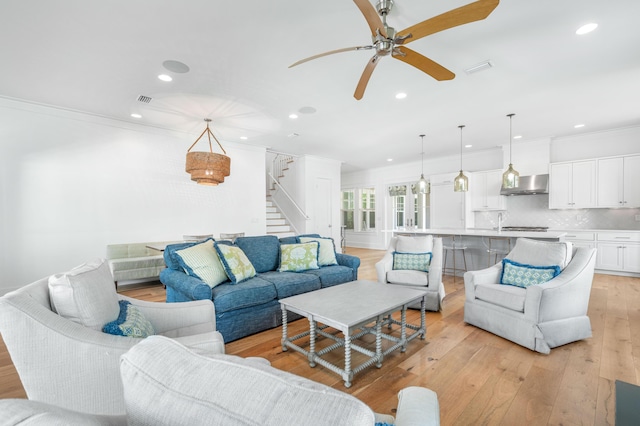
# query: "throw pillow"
{"points": [[131, 322], [85, 295], [299, 257], [235, 262], [202, 261], [327, 251], [521, 275], [412, 261]]}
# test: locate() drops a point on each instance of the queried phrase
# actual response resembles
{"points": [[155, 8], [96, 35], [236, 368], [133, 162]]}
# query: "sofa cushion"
{"points": [[405, 244], [519, 275], [332, 275], [507, 296], [408, 277], [202, 261], [412, 261], [262, 251], [541, 253], [236, 264], [326, 252], [252, 292], [182, 387], [298, 257], [131, 322], [291, 283], [85, 295]]}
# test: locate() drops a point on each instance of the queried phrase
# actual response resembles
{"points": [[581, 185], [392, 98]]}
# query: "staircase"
{"points": [[276, 223]]}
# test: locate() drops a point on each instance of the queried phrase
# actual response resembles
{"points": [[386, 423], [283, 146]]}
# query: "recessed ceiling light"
{"points": [[389, 159], [134, 115], [293, 135], [468, 146], [293, 116], [587, 28], [518, 137], [165, 77], [244, 138], [577, 126], [401, 95]]}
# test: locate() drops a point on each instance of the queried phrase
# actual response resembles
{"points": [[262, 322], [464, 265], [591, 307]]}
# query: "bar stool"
{"points": [[497, 247], [454, 247]]}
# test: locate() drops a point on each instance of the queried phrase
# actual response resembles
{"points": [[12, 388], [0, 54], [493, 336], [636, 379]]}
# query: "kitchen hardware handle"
{"points": [[623, 238]]}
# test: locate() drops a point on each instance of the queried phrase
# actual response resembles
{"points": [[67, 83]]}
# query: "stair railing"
{"points": [[275, 182]]}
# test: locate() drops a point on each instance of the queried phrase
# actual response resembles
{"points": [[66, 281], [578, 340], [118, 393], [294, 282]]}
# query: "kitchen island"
{"points": [[478, 241]]}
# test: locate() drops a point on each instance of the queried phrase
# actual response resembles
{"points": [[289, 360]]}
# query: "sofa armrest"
{"points": [[175, 316], [352, 262], [190, 287], [483, 276], [417, 406], [383, 266]]}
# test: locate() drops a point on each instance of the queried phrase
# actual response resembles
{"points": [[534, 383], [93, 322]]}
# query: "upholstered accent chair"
{"points": [[166, 384], [401, 265], [539, 316], [71, 363]]}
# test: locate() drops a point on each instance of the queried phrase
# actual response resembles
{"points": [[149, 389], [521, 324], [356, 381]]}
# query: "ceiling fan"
{"points": [[386, 41]]}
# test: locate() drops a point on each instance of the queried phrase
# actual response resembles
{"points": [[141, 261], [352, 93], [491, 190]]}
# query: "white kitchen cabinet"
{"points": [[449, 209], [572, 185], [581, 239], [618, 251], [618, 179], [485, 191]]}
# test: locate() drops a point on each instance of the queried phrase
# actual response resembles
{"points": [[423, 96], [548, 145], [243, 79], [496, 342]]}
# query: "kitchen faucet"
{"points": [[500, 222]]}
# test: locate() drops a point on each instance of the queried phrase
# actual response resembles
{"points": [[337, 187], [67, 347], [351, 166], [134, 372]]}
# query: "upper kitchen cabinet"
{"points": [[618, 179], [485, 191], [572, 185]]}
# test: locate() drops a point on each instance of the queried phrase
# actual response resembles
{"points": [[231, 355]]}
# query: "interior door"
{"points": [[323, 202]]}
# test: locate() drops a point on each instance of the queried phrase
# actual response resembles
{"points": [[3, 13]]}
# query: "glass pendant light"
{"points": [[423, 185], [510, 178], [461, 182]]}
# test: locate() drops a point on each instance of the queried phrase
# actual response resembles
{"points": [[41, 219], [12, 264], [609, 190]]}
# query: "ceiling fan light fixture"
{"points": [[461, 182], [510, 178]]}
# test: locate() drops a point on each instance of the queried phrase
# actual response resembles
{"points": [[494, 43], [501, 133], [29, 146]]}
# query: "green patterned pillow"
{"points": [[236, 264], [299, 257], [521, 275], [412, 261], [327, 252], [130, 322], [202, 261]]}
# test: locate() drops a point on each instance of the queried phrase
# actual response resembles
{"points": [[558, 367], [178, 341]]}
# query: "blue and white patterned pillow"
{"points": [[521, 275], [130, 322], [412, 261]]}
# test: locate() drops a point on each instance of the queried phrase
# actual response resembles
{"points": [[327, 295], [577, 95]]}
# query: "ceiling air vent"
{"points": [[145, 99], [479, 67]]}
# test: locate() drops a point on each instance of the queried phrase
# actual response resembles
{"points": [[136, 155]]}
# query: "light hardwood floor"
{"points": [[479, 378]]}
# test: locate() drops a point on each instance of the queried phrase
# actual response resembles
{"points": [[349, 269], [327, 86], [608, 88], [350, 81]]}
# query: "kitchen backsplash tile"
{"points": [[533, 210]]}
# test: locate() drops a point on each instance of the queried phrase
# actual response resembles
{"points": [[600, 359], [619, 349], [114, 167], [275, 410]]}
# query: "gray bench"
{"points": [[136, 261]]}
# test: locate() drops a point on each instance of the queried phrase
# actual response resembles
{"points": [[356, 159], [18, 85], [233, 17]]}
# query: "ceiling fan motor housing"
{"points": [[384, 7]]}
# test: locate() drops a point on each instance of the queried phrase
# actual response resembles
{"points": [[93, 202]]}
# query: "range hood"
{"points": [[529, 185]]}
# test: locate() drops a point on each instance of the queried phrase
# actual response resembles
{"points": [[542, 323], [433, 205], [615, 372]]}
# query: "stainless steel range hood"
{"points": [[529, 185]]}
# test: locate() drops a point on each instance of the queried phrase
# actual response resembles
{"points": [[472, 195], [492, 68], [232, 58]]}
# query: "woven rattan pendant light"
{"points": [[207, 168]]}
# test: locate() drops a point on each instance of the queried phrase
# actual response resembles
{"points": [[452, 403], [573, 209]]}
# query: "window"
{"points": [[359, 216], [398, 194], [347, 208], [368, 209]]}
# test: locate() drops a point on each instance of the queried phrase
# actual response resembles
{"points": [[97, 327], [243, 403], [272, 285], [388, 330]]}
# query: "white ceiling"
{"points": [[98, 57]]}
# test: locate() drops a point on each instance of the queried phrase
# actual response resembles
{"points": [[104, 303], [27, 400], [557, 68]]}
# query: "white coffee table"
{"points": [[355, 308]]}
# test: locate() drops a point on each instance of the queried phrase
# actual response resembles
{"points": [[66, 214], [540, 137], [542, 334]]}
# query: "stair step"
{"points": [[272, 210], [274, 216], [278, 228], [282, 234], [276, 222]]}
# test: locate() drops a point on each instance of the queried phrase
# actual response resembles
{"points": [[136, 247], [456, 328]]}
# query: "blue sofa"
{"points": [[252, 306]]}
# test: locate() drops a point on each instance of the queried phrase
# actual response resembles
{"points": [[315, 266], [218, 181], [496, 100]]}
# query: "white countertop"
{"points": [[477, 232]]}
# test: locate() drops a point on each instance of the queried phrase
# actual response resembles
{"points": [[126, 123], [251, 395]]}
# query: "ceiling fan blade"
{"points": [[366, 75], [423, 63], [346, 49], [472, 12], [372, 17]]}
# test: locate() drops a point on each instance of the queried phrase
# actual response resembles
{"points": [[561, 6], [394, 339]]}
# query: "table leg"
{"points": [[423, 323], [312, 342], [379, 342], [347, 376], [284, 329], [403, 328]]}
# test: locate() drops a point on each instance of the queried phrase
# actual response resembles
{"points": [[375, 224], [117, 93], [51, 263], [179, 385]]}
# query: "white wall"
{"points": [[73, 183], [597, 144]]}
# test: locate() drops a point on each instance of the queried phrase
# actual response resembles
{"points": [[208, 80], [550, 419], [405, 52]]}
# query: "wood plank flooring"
{"points": [[479, 378]]}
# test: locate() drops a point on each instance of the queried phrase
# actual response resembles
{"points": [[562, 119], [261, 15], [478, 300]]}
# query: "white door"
{"points": [[447, 207], [323, 201]]}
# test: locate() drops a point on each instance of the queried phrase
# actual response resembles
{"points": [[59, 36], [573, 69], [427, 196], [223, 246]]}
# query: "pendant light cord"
{"points": [[422, 155], [461, 126], [510, 135]]}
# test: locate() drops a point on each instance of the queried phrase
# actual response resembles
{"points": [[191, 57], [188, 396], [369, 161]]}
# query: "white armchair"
{"points": [[430, 281], [70, 365], [541, 316]]}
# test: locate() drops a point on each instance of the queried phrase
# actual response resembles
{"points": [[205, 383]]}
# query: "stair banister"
{"points": [[284, 191]]}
